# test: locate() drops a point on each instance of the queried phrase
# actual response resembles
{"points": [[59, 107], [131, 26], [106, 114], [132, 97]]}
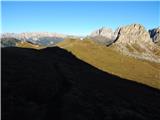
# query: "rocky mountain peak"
{"points": [[134, 40], [103, 35], [104, 32], [134, 33]]}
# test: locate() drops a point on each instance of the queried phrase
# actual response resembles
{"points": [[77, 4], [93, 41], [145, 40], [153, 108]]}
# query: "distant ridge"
{"points": [[103, 35], [131, 40], [41, 38]]}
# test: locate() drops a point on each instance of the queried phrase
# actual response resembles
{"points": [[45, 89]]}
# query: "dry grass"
{"points": [[28, 45], [107, 59]]}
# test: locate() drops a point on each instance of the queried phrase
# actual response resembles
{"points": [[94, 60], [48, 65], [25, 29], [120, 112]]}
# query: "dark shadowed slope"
{"points": [[52, 84]]}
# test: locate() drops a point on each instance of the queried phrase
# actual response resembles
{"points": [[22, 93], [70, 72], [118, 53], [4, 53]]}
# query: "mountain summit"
{"points": [[134, 40], [132, 34], [105, 32], [103, 35]]}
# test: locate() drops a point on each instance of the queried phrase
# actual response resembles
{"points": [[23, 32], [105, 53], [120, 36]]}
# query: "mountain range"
{"points": [[132, 40], [131, 51], [103, 35], [132, 55], [108, 75], [41, 38], [110, 36]]}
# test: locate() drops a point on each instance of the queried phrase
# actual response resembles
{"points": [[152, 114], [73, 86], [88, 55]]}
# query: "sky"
{"points": [[76, 18]]}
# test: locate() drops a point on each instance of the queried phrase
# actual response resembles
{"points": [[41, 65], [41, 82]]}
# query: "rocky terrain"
{"points": [[53, 84], [134, 40], [103, 35], [155, 35], [131, 40]]}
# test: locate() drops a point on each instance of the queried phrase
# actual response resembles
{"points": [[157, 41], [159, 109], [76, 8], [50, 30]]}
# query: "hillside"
{"points": [[52, 84], [28, 45], [109, 60]]}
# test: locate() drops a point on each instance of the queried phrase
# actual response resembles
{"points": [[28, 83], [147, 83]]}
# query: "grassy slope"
{"points": [[106, 59], [28, 45]]}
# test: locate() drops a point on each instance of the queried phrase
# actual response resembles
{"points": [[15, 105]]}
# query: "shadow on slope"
{"points": [[53, 84]]}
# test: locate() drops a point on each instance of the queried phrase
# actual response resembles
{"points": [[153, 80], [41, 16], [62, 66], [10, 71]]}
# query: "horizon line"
{"points": [[78, 34]]}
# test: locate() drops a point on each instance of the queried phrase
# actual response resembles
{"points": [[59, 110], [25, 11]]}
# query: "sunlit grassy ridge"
{"points": [[28, 45], [109, 60]]}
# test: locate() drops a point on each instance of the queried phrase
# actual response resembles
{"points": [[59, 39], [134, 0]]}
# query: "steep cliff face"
{"points": [[134, 40], [134, 33], [155, 35], [105, 32]]}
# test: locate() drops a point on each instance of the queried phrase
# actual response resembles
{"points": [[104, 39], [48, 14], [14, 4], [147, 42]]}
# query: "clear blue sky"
{"points": [[77, 18]]}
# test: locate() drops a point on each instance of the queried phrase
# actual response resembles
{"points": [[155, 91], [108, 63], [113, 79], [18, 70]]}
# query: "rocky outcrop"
{"points": [[104, 35], [105, 32], [131, 34], [155, 35], [134, 40]]}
